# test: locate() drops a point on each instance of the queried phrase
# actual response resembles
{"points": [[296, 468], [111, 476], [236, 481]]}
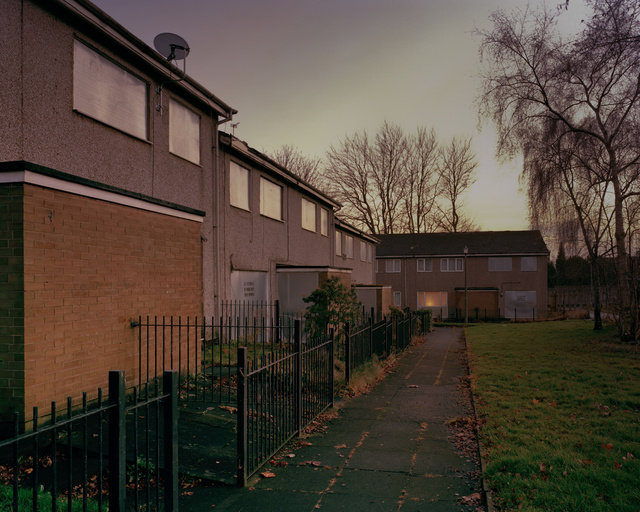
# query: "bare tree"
{"points": [[367, 177], [421, 181], [457, 174], [306, 168], [538, 86]]}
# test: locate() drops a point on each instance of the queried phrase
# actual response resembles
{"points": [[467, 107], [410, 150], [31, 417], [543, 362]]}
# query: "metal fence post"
{"points": [[298, 386], [117, 441], [331, 364], [370, 337], [242, 440], [347, 353], [170, 409]]}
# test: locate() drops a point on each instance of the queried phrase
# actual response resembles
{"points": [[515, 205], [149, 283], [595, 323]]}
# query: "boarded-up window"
{"points": [[270, 199], [238, 186], [363, 251], [397, 299], [338, 243], [324, 222], [348, 246], [501, 264], [369, 253], [308, 215], [184, 132], [108, 93], [529, 264]]}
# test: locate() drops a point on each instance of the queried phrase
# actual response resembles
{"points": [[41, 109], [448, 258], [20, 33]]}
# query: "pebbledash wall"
{"points": [[79, 270]]}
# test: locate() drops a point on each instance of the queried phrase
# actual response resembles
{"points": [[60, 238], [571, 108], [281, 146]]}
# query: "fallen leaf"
{"points": [[339, 446], [267, 474], [412, 386], [536, 401], [608, 446], [232, 410]]}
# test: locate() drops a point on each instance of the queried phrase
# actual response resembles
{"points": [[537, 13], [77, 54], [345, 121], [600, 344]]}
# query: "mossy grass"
{"points": [[560, 406], [25, 501]]}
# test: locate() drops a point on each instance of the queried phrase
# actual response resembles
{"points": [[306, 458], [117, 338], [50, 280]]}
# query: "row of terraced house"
{"points": [[123, 197]]}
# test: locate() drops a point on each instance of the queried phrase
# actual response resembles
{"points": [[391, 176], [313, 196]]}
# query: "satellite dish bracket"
{"points": [[171, 47]]}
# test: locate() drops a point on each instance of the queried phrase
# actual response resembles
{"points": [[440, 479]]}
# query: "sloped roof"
{"points": [[479, 243]]}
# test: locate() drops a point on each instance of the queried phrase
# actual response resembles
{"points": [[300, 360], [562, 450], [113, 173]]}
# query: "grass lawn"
{"points": [[559, 406]]}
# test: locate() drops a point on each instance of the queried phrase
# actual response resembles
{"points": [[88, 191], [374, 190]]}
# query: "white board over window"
{"points": [[520, 304], [108, 93], [184, 132]]}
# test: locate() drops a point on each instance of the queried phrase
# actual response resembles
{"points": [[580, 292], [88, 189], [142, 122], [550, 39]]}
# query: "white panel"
{"points": [[184, 132], [308, 215], [249, 285], [239, 186], [105, 91], [270, 199], [520, 304]]}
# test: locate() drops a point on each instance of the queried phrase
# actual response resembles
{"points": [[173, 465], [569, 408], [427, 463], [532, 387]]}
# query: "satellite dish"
{"points": [[171, 46]]}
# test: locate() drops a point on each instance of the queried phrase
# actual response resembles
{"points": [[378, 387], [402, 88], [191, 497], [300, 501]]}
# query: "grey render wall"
{"points": [[40, 126]]}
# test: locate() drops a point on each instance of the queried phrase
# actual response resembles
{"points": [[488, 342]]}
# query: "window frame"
{"points": [[457, 262], [397, 299], [396, 266], [424, 265], [234, 169]]}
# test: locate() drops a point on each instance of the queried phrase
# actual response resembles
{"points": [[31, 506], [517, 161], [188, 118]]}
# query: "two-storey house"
{"points": [[473, 275]]}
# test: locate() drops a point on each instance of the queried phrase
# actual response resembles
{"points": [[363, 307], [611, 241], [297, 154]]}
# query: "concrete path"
{"points": [[387, 450]]}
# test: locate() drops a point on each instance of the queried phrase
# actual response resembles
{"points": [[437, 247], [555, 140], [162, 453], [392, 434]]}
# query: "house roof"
{"points": [[342, 225], [479, 243]]}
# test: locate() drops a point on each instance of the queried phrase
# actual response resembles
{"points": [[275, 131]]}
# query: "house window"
{"points": [[451, 265], [370, 253], [348, 249], [500, 264], [529, 264], [108, 93], [363, 251], [238, 186], [324, 222], [397, 299], [184, 132], [392, 266], [432, 299], [308, 215], [377, 267], [270, 199], [338, 243], [424, 265]]}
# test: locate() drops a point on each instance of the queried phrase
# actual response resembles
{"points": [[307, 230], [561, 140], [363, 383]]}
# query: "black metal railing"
{"points": [[204, 351], [278, 396], [86, 455], [392, 333]]}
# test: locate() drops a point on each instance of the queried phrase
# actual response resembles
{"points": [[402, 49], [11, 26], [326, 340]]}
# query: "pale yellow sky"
{"points": [[309, 72]]}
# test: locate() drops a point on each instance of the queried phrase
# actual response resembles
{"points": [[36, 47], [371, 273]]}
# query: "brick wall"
{"points": [[91, 268], [11, 302]]}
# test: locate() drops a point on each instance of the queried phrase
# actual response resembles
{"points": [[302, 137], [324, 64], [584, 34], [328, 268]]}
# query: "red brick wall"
{"points": [[11, 304], [90, 268]]}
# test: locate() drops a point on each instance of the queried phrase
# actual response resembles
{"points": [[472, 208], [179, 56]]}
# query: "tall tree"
{"points": [[540, 87], [368, 178], [457, 173], [422, 181]]}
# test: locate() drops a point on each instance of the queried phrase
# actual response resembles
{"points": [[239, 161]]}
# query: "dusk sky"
{"points": [[310, 72]]}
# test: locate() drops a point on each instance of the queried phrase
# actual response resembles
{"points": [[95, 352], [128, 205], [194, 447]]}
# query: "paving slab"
{"points": [[387, 450]]}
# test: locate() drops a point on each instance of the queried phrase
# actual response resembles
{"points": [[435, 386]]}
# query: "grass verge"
{"points": [[560, 411]]}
